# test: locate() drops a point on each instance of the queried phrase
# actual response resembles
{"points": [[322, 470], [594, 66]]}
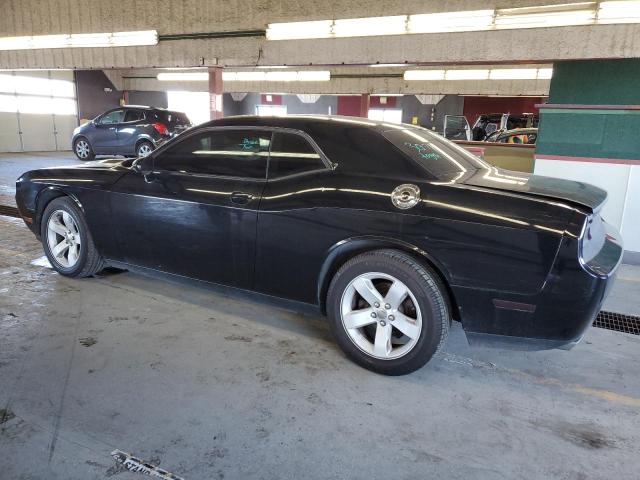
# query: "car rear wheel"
{"points": [[388, 312], [82, 149], [67, 241], [144, 148]]}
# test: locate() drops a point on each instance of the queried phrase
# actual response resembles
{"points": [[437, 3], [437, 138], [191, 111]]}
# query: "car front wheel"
{"points": [[82, 149], [144, 149], [67, 241], [388, 312]]}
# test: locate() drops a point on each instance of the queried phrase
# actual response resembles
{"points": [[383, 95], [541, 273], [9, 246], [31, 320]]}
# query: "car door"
{"points": [[195, 212], [128, 130], [290, 228], [104, 138], [456, 127]]}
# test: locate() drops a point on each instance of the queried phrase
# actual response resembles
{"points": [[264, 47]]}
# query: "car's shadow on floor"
{"points": [[290, 317], [270, 311]]}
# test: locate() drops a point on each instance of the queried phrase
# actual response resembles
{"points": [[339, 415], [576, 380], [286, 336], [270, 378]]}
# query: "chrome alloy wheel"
{"points": [[144, 150], [381, 315], [63, 238], [83, 149]]}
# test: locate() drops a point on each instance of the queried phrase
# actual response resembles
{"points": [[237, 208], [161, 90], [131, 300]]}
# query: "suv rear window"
{"points": [[173, 119], [441, 158]]}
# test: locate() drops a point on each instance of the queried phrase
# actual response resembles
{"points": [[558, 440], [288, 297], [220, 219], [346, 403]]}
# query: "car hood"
{"points": [[576, 193], [106, 163]]}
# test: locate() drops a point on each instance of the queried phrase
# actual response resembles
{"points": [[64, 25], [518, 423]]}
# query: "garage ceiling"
{"points": [[176, 20]]}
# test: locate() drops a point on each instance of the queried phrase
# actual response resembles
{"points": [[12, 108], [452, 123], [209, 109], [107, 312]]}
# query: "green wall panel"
{"points": [[596, 82], [592, 132], [582, 134]]}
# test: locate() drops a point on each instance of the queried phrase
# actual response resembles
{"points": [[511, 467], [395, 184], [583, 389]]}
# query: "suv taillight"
{"points": [[161, 128]]}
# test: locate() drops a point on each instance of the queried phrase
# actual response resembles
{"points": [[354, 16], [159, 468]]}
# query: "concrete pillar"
{"points": [[364, 105], [215, 93]]}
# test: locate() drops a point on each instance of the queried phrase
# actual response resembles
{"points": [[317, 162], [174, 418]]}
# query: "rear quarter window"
{"points": [[292, 153], [362, 151]]}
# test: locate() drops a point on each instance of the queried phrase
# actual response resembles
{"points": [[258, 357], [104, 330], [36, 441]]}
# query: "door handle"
{"points": [[240, 198]]}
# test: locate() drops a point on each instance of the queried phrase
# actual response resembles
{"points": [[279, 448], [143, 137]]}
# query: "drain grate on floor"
{"points": [[618, 322], [9, 211]]}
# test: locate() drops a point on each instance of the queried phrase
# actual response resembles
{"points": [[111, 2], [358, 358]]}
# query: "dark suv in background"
{"points": [[130, 130]]}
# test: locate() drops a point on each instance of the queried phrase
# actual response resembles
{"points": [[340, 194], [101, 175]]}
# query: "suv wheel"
{"points": [[144, 148], [82, 149], [388, 312]]}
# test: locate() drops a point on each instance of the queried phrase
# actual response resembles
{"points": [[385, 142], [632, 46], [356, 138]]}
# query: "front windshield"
{"points": [[440, 157]]}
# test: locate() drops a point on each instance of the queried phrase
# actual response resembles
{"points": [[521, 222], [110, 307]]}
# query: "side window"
{"points": [[292, 153], [112, 117], [235, 153], [134, 115]]}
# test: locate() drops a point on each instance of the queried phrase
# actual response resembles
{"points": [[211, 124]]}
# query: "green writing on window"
{"points": [[423, 150]]}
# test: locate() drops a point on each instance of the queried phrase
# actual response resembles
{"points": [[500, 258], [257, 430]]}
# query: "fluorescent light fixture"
{"points": [[513, 74], [183, 76], [540, 16], [300, 30], [465, 21], [467, 74], [481, 74], [619, 12], [546, 16], [545, 73], [371, 26], [424, 75], [287, 76], [80, 40], [250, 76], [314, 76], [281, 76]]}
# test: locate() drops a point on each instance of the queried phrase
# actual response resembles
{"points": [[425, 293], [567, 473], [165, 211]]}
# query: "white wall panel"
{"points": [[37, 132], [9, 137], [631, 220], [610, 177], [622, 183], [65, 126]]}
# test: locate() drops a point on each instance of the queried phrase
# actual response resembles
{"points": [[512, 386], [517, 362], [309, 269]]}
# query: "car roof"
{"points": [[299, 121]]}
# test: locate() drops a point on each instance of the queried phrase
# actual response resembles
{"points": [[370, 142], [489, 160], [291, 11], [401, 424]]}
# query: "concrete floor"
{"points": [[214, 384]]}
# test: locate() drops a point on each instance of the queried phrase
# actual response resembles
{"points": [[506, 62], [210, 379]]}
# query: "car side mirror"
{"points": [[144, 165]]}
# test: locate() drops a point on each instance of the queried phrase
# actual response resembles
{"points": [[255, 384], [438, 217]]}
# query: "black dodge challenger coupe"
{"points": [[390, 230]]}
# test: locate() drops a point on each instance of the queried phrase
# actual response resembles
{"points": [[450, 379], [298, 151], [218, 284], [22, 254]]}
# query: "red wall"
{"points": [[349, 105], [474, 106], [375, 102], [275, 99]]}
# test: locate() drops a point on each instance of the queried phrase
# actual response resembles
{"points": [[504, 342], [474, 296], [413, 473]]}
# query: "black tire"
{"points": [[426, 287], [144, 143], [89, 260], [90, 155]]}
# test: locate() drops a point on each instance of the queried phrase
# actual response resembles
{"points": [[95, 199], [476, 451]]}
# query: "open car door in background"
{"points": [[456, 127]]}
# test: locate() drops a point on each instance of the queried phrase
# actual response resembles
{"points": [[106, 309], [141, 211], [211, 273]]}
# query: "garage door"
{"points": [[37, 111]]}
